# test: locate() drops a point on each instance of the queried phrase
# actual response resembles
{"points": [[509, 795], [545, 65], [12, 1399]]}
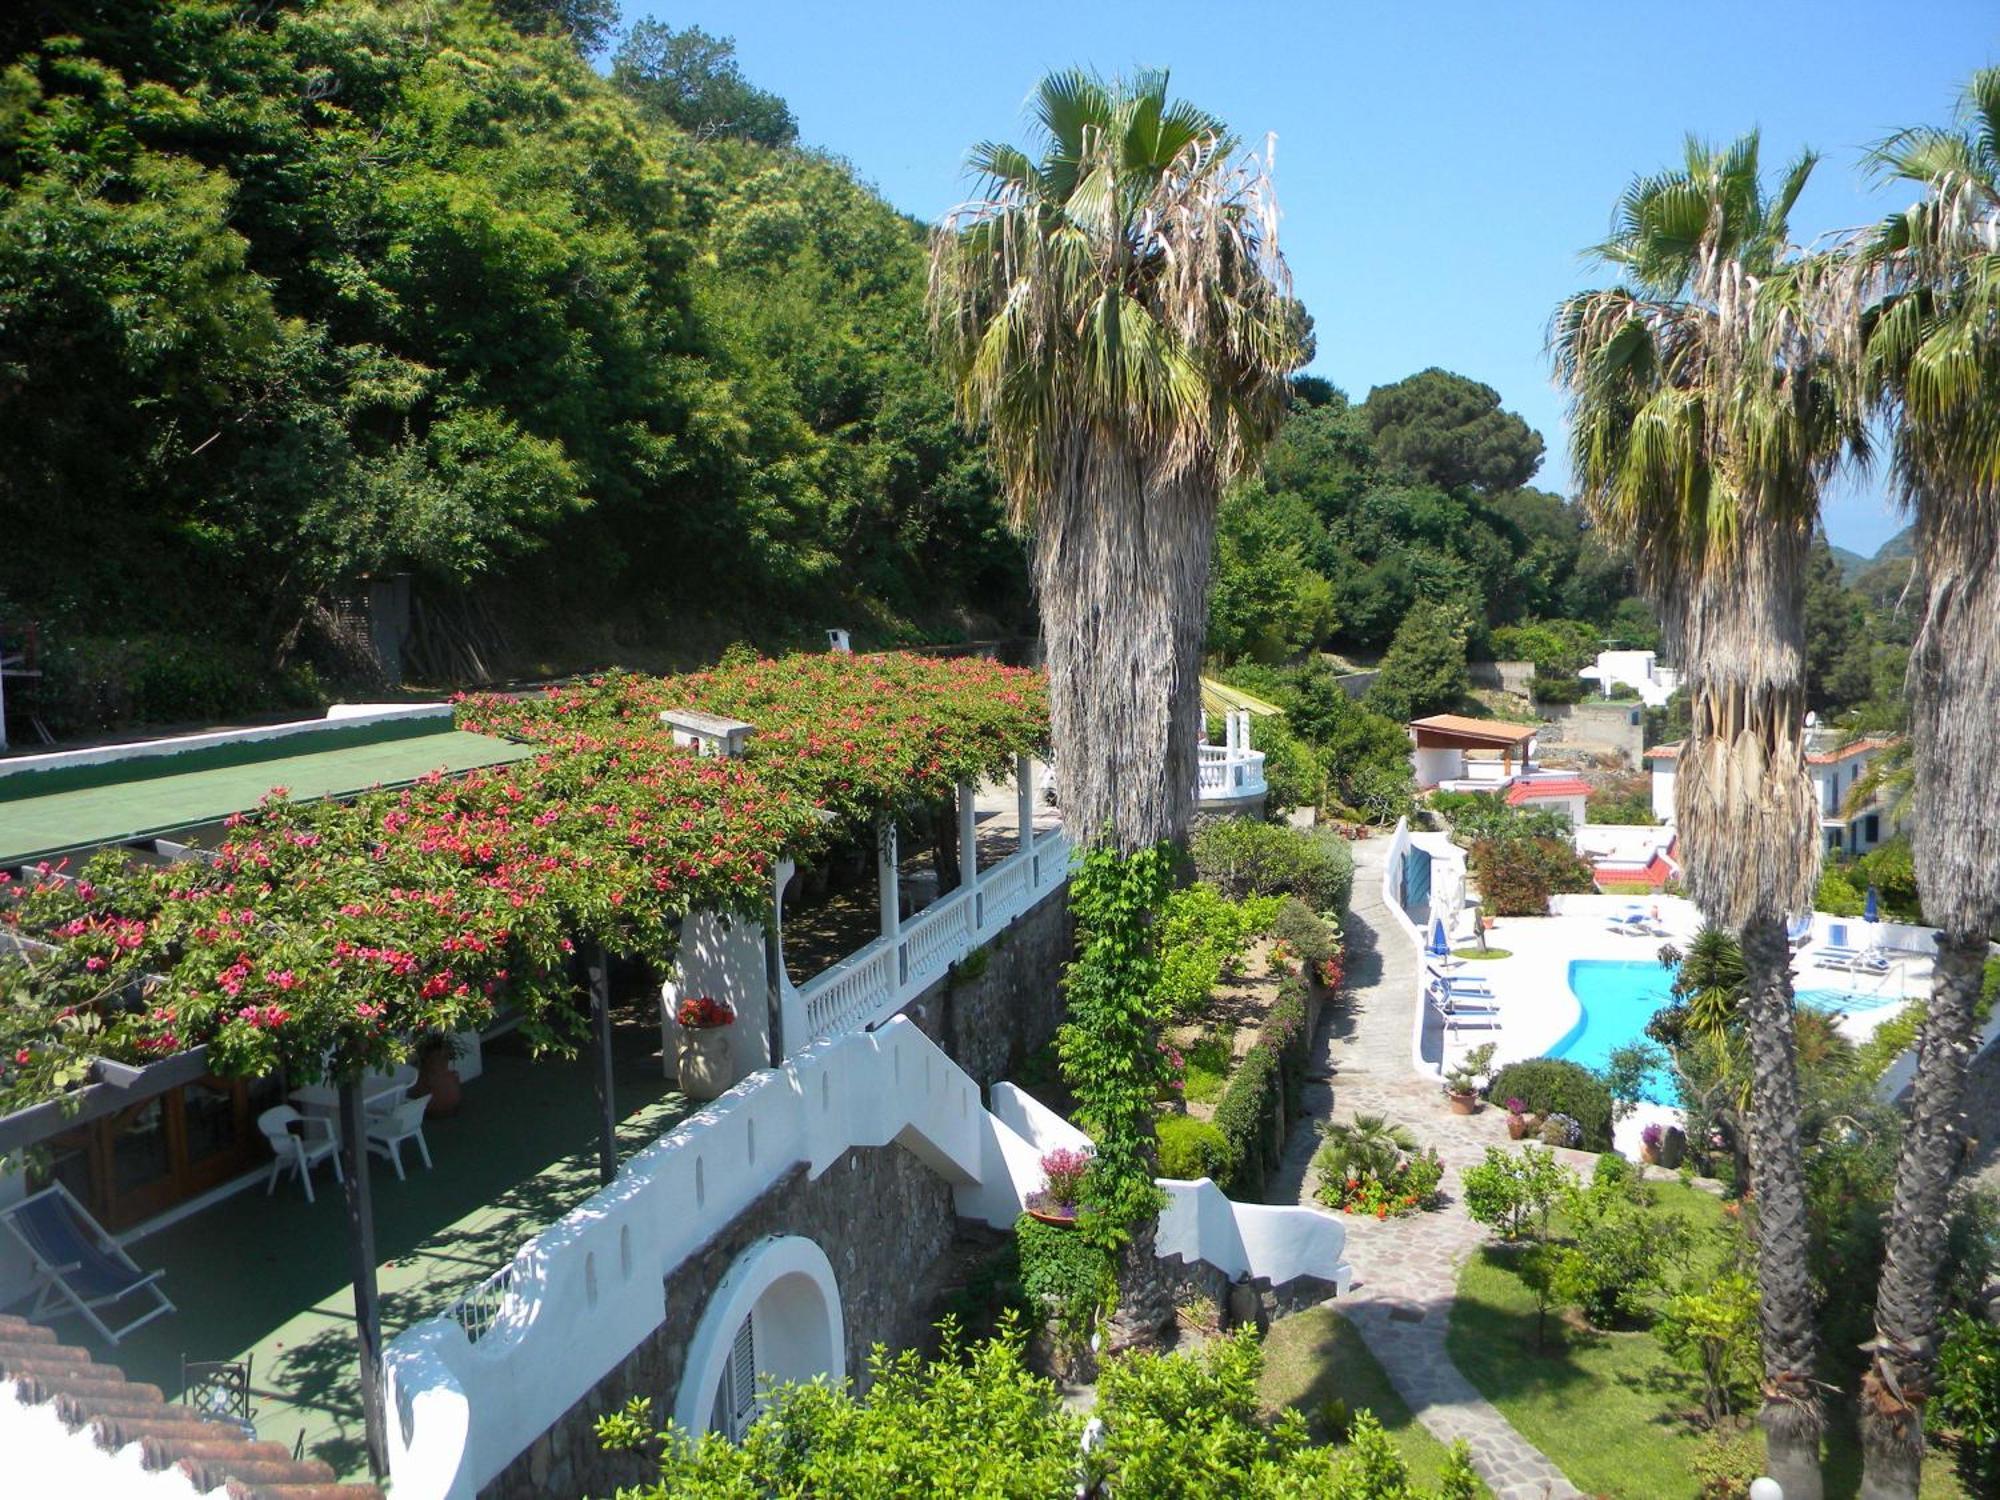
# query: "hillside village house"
{"points": [[1834, 767], [1455, 753]]}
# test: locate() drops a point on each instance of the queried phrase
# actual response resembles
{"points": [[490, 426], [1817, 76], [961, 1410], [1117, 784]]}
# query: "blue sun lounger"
{"points": [[77, 1263]]}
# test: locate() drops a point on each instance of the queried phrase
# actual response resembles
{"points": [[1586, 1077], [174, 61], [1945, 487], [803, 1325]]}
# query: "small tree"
{"points": [[1424, 671], [1713, 1332], [1513, 1191]]}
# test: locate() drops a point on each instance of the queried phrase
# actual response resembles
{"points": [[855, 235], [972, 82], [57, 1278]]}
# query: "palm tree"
{"points": [[1117, 316], [1705, 419], [1931, 278]]}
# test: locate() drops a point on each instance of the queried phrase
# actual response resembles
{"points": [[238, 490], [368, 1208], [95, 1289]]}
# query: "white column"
{"points": [[886, 879], [968, 838]]}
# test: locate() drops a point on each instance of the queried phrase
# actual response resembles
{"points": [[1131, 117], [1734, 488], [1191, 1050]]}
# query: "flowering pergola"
{"points": [[323, 939]]}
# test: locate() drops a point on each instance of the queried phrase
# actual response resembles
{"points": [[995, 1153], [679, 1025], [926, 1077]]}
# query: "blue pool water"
{"points": [[1619, 997]]}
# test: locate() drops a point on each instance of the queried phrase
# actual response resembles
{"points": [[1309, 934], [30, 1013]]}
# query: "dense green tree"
{"points": [[588, 23], [293, 293], [1424, 671], [1839, 659], [1265, 602], [693, 79], [1444, 429]]}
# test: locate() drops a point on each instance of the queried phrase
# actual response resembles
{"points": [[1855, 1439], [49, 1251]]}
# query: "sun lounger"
{"points": [[76, 1262], [1459, 986], [1851, 960], [1460, 1005]]}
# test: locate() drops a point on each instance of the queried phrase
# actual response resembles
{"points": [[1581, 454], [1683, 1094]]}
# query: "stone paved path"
{"points": [[1405, 1269]]}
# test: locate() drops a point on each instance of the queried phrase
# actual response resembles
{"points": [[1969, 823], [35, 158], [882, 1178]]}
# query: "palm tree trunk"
{"points": [[1906, 1302], [1792, 1417], [1121, 575]]}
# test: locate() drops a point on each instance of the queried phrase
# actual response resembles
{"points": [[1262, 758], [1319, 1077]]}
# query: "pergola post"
{"points": [[1024, 798], [968, 838], [887, 880], [599, 967], [774, 967], [361, 1256]]}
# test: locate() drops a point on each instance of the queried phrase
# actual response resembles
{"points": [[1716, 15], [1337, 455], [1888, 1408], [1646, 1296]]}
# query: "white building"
{"points": [[1835, 768], [1639, 670], [1454, 753]]}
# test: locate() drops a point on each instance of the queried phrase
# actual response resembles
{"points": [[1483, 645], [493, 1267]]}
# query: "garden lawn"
{"points": [[1316, 1356], [1609, 1408]]}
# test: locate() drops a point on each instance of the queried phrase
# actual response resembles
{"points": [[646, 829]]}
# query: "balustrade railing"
{"points": [[872, 984], [1226, 772], [479, 1309]]}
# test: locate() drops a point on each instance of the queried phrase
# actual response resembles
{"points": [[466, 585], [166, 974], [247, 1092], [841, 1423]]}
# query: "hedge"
{"points": [[1554, 1085], [1264, 1094]]}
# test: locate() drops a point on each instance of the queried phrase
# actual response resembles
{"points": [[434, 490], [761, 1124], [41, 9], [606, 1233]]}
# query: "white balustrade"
{"points": [[868, 986], [1227, 772]]}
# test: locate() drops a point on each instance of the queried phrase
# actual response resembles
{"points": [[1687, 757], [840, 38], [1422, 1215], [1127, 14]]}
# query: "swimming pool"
{"points": [[1619, 996]]}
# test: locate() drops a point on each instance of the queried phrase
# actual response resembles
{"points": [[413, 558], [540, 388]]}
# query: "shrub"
{"points": [[1373, 1167], [1518, 875], [1310, 936], [1836, 897], [1967, 1402], [1191, 1148], [1623, 1245], [1513, 1191], [1562, 1130], [1245, 858], [1066, 1276], [1202, 933], [1631, 801], [1726, 1466], [1554, 1085], [1545, 688]]}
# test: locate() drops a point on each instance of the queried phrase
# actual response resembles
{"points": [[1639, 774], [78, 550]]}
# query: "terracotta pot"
{"points": [[1061, 1221], [437, 1079], [703, 1063], [1465, 1103], [1517, 1126], [1650, 1155]]}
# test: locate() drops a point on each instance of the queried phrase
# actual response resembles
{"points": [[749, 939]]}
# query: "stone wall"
{"points": [[1507, 676], [881, 1217], [1594, 729], [1006, 999]]}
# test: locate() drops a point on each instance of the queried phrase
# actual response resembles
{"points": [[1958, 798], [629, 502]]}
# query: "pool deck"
{"points": [[1537, 1011]]}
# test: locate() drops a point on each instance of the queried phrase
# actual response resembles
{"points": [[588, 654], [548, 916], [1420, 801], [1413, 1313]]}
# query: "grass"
{"points": [[1609, 1408], [1475, 954], [1316, 1356], [1208, 1064]]}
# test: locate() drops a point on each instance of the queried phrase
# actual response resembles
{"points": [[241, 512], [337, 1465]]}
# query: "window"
{"points": [[736, 1392], [1871, 827]]}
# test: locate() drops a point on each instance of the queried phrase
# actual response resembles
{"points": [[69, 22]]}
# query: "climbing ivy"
{"points": [[1109, 1048]]}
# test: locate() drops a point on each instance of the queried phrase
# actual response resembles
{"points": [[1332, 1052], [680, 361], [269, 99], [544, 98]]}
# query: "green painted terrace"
{"points": [[266, 1278]]}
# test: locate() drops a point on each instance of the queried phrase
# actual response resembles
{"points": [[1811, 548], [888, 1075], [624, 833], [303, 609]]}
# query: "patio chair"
{"points": [[1458, 1005], [298, 1143], [76, 1262], [1798, 932], [1475, 988], [219, 1390], [387, 1132]]}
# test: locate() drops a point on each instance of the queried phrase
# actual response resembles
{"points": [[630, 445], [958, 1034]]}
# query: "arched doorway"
{"points": [[775, 1318]]}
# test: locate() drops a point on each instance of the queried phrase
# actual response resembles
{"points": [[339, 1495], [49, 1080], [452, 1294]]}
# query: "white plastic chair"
{"points": [[387, 1132], [299, 1149]]}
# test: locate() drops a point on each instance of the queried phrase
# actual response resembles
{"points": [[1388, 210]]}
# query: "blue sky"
{"points": [[1440, 165]]}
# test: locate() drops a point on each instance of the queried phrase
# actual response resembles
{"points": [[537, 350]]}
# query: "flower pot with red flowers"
{"points": [[703, 1057], [1062, 1177], [1519, 1121]]}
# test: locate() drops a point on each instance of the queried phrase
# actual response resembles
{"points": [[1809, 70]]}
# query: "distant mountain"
{"points": [[1852, 564]]}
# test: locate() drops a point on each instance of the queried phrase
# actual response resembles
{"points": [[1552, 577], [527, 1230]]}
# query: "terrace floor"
{"points": [[266, 1278]]}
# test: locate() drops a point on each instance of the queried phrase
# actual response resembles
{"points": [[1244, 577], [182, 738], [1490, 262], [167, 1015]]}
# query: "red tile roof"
{"points": [[1546, 790], [213, 1455]]}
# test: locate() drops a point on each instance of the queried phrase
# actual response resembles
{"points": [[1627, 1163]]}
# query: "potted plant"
{"points": [[437, 1077], [1649, 1143], [1461, 1083], [703, 1058], [1519, 1121], [1062, 1177]]}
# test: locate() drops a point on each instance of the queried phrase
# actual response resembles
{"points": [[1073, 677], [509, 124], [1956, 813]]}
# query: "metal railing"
{"points": [[479, 1309]]}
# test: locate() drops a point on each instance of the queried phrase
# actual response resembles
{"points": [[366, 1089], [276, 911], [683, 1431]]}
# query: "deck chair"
{"points": [[1477, 989], [77, 1263], [1450, 1005]]}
